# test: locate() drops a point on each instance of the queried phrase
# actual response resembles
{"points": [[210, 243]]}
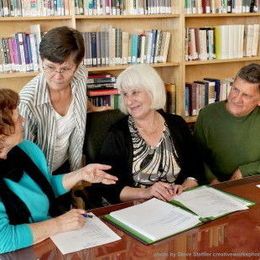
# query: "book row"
{"points": [[222, 42], [20, 53], [104, 84], [200, 93], [112, 46], [122, 7], [108, 47], [101, 84], [221, 6], [34, 7], [106, 100]]}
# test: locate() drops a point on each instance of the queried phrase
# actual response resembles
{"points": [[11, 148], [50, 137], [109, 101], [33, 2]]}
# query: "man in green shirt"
{"points": [[228, 132]]}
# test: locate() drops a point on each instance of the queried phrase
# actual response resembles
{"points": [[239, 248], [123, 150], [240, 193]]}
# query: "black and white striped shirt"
{"points": [[152, 164], [40, 123]]}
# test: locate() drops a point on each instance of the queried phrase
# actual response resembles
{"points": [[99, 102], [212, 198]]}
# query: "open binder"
{"points": [[154, 220]]}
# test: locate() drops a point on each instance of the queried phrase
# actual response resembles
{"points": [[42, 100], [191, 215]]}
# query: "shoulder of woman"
{"points": [[172, 118], [33, 151], [81, 72], [30, 89], [120, 125]]}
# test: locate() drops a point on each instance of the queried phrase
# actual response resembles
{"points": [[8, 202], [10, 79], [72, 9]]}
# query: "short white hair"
{"points": [[142, 77]]}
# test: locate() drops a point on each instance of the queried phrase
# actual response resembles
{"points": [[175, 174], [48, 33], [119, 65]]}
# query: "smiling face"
{"points": [[138, 102], [243, 98], [59, 76]]}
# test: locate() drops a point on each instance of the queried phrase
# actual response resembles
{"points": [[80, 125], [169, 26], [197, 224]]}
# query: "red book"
{"points": [[97, 76], [102, 92]]}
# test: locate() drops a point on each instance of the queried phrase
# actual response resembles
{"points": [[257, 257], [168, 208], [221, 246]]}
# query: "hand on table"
{"points": [[163, 191]]}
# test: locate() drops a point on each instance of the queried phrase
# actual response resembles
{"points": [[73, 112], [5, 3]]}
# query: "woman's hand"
{"points": [[94, 173], [71, 220], [163, 191], [177, 189]]}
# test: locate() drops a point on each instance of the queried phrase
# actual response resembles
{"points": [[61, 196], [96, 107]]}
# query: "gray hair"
{"points": [[250, 73], [142, 77]]}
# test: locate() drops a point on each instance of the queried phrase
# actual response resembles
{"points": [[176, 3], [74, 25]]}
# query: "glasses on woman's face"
{"points": [[52, 70]]}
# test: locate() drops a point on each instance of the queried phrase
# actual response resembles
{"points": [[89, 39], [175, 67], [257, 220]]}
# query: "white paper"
{"points": [[209, 202], [94, 233], [156, 219]]}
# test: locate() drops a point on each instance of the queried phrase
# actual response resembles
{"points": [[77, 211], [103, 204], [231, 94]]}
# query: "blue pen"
{"points": [[86, 215]]}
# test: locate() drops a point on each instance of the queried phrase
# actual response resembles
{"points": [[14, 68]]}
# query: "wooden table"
{"points": [[234, 235]]}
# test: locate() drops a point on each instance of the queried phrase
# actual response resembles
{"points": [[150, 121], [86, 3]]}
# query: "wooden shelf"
{"points": [[190, 119], [122, 67], [177, 70], [9, 75], [221, 15], [122, 17], [35, 18], [201, 62], [90, 69]]}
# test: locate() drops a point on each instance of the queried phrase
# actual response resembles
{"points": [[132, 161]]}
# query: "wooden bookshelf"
{"points": [[176, 69], [217, 68]]}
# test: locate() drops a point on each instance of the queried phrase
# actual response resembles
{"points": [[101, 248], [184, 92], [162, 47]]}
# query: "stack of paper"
{"points": [[94, 233]]}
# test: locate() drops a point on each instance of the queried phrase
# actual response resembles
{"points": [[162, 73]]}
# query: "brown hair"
{"points": [[8, 102], [61, 42]]}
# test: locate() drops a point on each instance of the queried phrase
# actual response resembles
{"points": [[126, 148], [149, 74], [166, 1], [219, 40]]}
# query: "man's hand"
{"points": [[237, 175]]}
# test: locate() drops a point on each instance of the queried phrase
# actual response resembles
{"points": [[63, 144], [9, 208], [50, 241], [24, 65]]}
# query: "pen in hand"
{"points": [[86, 215]]}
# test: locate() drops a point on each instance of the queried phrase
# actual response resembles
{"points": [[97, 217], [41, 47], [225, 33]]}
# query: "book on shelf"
{"points": [[20, 52], [170, 97], [102, 92], [100, 75], [113, 46], [201, 93], [112, 101], [100, 86], [154, 220], [221, 6], [26, 8], [101, 81], [222, 42], [122, 7]]}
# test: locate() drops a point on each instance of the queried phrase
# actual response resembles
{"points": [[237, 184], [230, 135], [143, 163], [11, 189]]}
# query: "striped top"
{"points": [[153, 164], [65, 126], [40, 122]]}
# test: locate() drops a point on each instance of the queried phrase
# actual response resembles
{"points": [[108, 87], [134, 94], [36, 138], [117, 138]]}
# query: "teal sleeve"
{"points": [[249, 169], [13, 237], [57, 184]]}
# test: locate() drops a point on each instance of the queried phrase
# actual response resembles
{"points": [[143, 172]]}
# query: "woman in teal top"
{"points": [[28, 210]]}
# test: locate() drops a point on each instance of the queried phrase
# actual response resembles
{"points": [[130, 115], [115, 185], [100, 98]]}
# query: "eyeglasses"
{"points": [[52, 70]]}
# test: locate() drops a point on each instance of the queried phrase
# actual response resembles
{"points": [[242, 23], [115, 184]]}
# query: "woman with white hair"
{"points": [[152, 153]]}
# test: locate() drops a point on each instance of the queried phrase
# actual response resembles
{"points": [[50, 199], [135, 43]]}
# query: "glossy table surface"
{"points": [[235, 236]]}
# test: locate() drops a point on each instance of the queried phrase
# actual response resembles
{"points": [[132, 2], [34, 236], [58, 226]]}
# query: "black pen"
{"points": [[86, 215]]}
